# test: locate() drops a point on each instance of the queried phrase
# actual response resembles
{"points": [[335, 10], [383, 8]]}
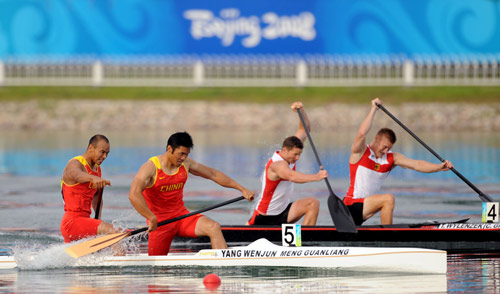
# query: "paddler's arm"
{"points": [[145, 177], [359, 145], [219, 177], [301, 131], [421, 165], [281, 170], [75, 173]]}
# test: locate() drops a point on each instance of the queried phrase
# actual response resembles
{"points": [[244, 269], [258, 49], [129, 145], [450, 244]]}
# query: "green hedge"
{"points": [[314, 96]]}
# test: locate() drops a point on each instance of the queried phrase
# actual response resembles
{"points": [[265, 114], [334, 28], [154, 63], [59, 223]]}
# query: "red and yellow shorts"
{"points": [[161, 238], [76, 227]]}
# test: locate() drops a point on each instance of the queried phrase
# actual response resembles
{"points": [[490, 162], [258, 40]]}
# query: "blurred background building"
{"points": [[249, 43]]}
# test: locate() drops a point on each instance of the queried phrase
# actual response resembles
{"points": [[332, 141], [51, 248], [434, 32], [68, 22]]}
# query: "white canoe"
{"points": [[264, 253]]}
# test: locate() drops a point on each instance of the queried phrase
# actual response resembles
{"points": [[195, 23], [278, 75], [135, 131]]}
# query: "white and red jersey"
{"points": [[275, 195], [368, 174]]}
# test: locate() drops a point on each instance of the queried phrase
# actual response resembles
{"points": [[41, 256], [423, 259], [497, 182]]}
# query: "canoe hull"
{"points": [[455, 238], [262, 253]]}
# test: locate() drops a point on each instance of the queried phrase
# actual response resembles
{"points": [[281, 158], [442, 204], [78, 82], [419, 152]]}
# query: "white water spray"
{"points": [[38, 257]]}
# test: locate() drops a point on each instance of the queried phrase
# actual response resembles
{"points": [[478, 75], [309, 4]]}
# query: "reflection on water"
{"points": [[478, 275], [233, 280]]}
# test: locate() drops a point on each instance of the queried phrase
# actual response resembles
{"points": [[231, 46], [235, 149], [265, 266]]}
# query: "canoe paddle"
{"points": [[338, 211], [99, 243], [484, 197], [99, 202]]}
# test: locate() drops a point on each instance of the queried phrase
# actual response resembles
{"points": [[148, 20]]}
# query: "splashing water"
{"points": [[39, 257]]}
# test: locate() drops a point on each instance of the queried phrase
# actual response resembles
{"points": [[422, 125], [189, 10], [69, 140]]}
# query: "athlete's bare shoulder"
{"points": [[276, 168], [73, 167], [188, 163]]}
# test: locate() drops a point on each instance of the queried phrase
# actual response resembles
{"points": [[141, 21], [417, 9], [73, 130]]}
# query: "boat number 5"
{"points": [[291, 235], [490, 212]]}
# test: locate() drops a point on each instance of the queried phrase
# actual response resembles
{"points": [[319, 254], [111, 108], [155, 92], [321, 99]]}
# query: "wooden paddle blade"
{"points": [[340, 215], [94, 245]]}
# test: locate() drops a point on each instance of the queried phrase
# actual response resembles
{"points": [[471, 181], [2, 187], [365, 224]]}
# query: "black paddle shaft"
{"points": [[484, 197], [338, 211], [168, 221], [99, 194], [315, 151]]}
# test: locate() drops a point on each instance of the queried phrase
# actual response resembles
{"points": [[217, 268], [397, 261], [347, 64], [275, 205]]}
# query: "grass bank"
{"points": [[314, 96]]}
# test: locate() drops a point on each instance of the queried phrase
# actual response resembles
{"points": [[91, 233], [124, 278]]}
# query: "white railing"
{"points": [[253, 70]]}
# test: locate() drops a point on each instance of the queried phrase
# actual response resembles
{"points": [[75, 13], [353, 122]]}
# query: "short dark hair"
{"points": [[180, 139], [291, 142], [387, 133], [96, 138]]}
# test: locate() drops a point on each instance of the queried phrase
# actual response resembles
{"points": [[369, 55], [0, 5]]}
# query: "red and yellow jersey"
{"points": [[78, 197], [165, 196]]}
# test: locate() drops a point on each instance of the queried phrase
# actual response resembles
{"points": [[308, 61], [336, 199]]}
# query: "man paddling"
{"points": [[82, 185], [274, 206], [157, 194], [369, 166]]}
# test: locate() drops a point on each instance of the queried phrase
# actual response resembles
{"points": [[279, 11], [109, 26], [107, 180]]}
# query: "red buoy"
{"points": [[211, 281]]}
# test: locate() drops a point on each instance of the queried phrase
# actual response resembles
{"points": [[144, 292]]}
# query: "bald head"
{"points": [[96, 139]]}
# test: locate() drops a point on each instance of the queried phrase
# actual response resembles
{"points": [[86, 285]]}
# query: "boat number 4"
{"points": [[291, 235], [490, 212]]}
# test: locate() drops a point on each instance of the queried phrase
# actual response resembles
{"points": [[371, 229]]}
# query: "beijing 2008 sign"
{"points": [[230, 23]]}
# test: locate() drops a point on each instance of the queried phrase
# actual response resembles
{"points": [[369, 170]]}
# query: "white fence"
{"points": [[253, 71]]}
